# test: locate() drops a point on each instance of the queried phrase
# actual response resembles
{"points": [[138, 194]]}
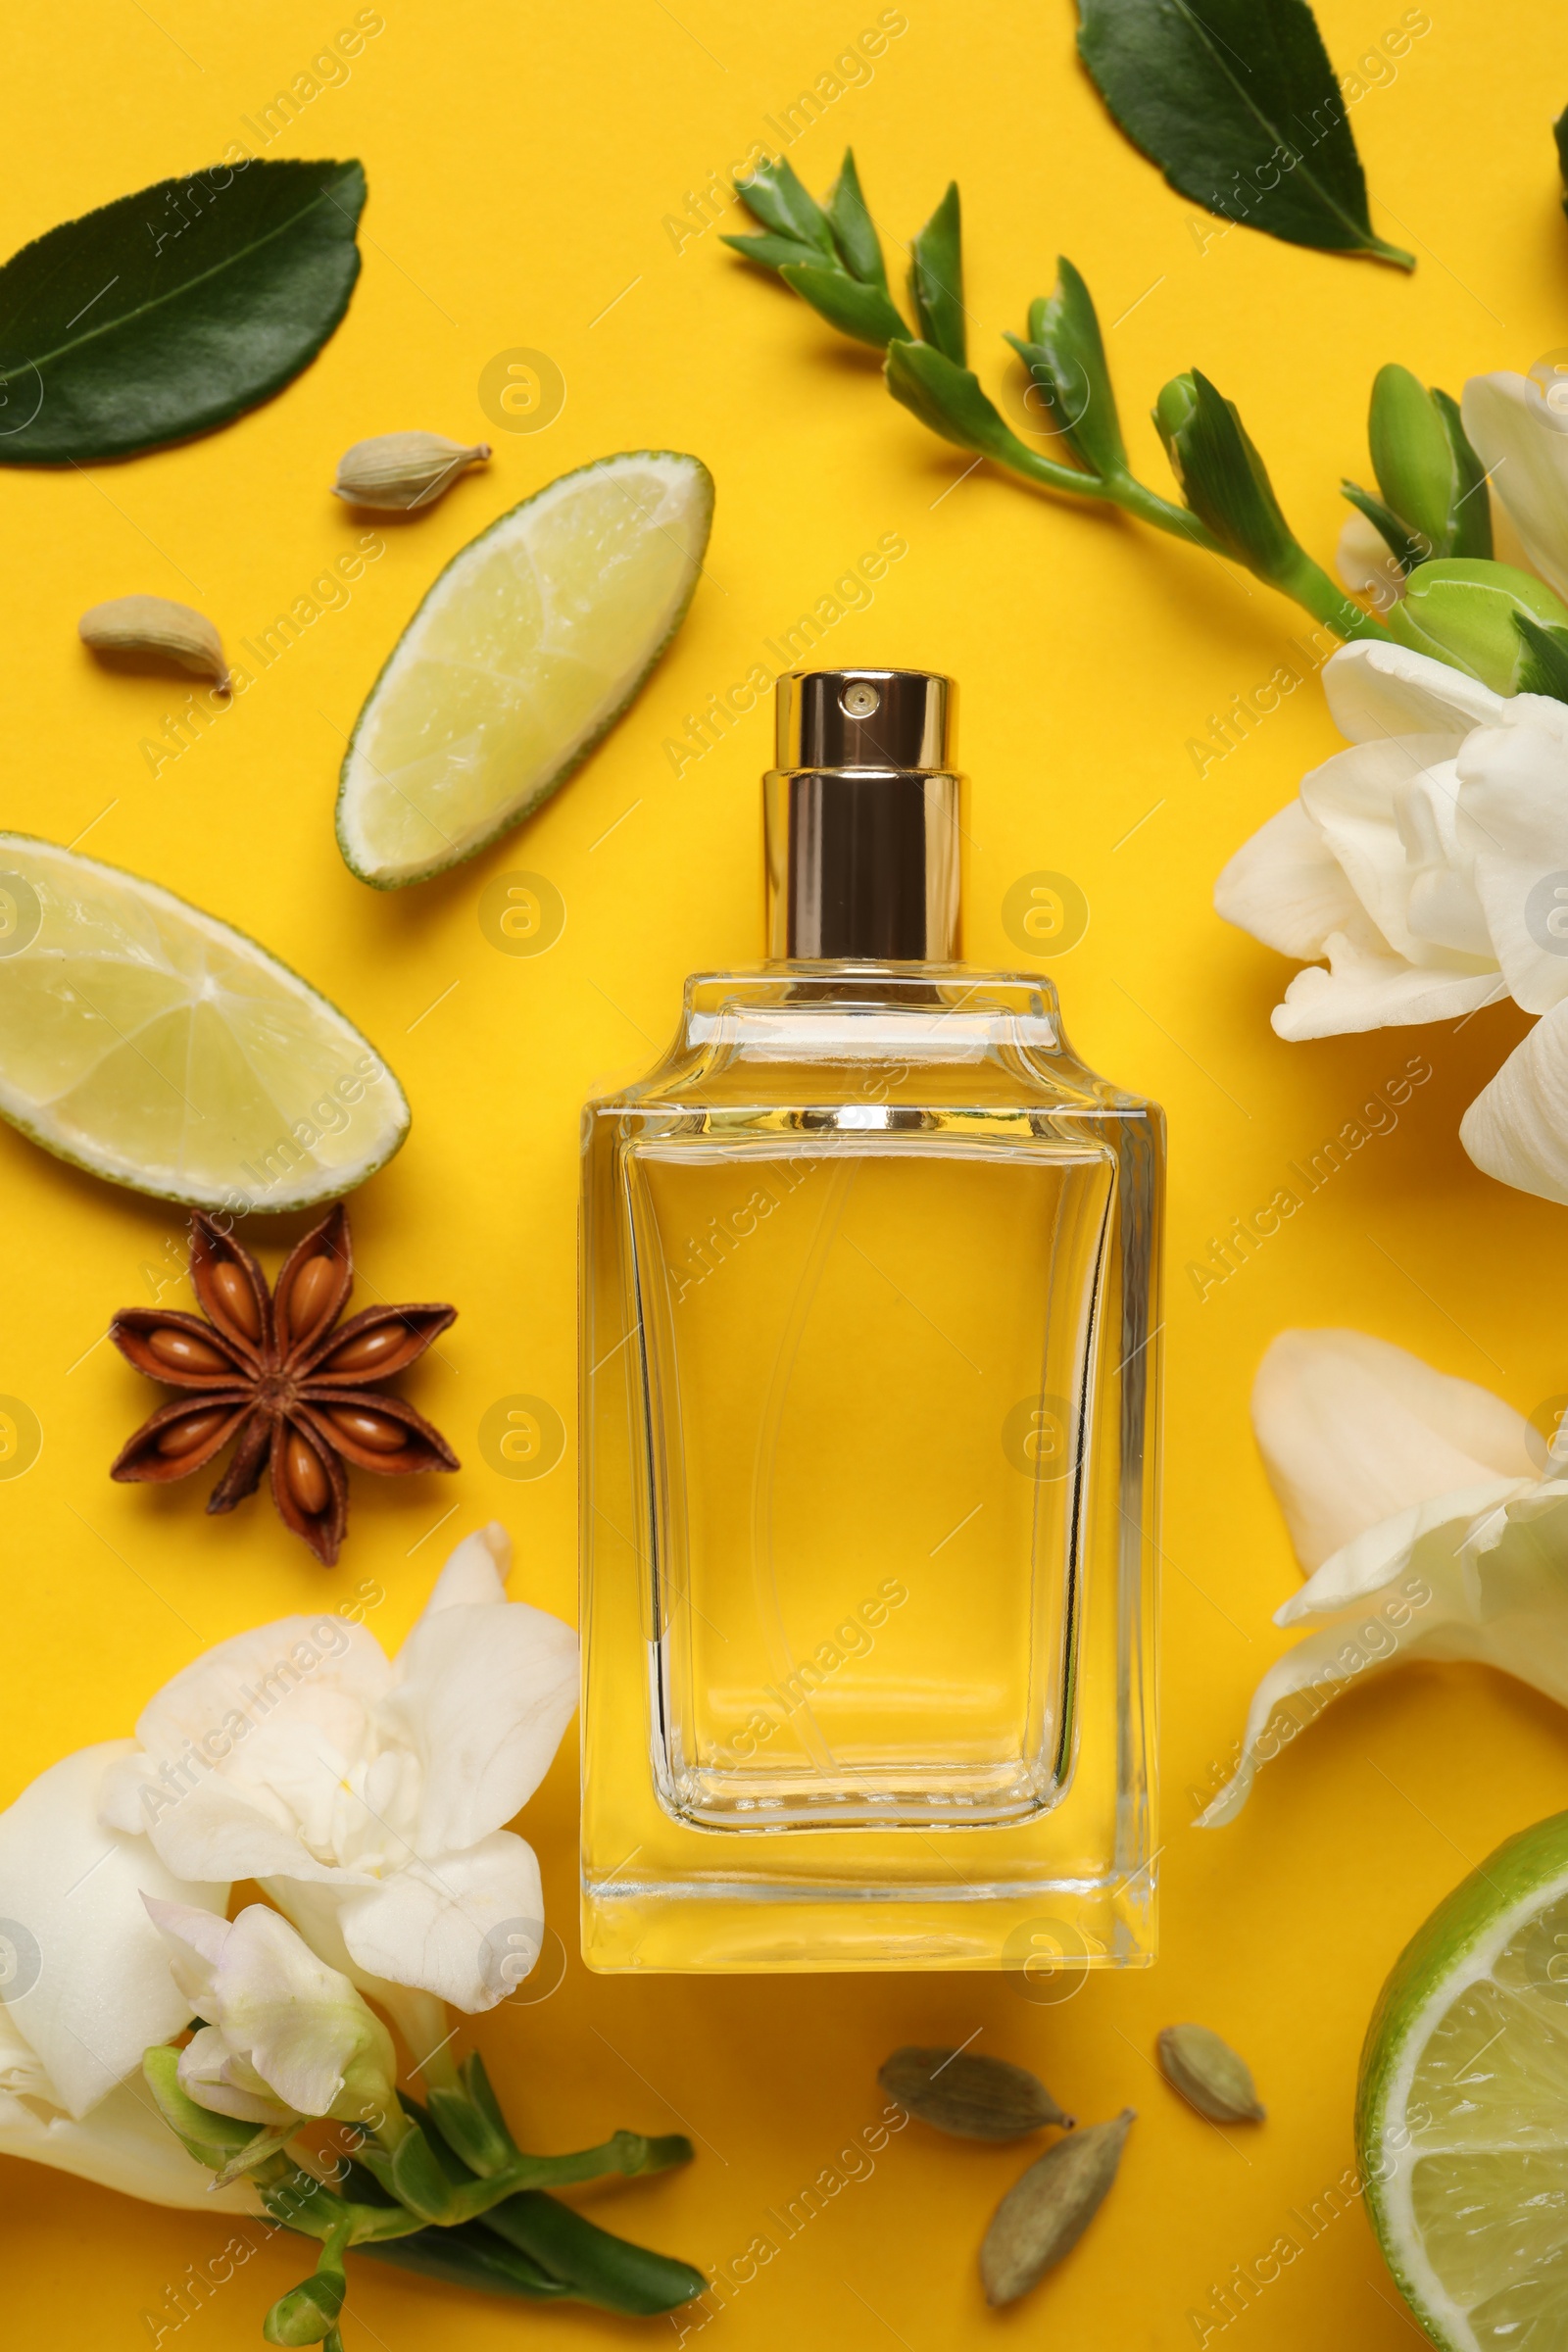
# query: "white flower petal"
{"points": [[483, 1696], [1285, 886], [475, 1571], [1513, 823], [1366, 561], [210, 2073], [1354, 1431], [1387, 812], [1524, 448], [1365, 990], [103, 1991], [453, 1925], [1375, 688], [1517, 1127], [123, 2144], [1489, 1586]]}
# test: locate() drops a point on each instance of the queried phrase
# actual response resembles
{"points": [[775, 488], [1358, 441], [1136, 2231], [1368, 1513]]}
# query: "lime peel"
{"points": [[523, 653], [151, 1044], [1488, 1951]]}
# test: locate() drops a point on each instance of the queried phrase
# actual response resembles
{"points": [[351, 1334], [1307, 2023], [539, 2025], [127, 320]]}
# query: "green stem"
{"points": [[1134, 498], [1310, 584]]}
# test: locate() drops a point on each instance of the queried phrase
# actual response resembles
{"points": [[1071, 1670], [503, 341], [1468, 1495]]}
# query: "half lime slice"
{"points": [[528, 648], [1462, 2120], [158, 1047]]}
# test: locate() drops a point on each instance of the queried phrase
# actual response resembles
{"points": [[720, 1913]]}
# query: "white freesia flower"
{"points": [[285, 2035], [1433, 1521], [367, 1794], [1424, 871], [87, 1988]]}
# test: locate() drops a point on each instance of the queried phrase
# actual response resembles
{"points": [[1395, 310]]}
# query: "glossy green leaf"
{"points": [[170, 312], [936, 278], [1239, 106], [1559, 131]]}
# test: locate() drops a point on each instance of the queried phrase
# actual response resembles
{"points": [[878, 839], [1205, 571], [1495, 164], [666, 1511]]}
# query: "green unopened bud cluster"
{"points": [[1434, 503]]}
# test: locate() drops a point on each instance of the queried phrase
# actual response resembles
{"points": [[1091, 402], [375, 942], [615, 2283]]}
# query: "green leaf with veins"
{"points": [[1239, 106]]}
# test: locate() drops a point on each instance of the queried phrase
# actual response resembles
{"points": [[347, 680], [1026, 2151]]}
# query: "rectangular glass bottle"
{"points": [[869, 1445]]}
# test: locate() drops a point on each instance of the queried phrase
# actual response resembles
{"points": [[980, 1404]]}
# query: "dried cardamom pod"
{"points": [[1208, 2074], [1046, 2211], [401, 470], [154, 624], [972, 2098]]}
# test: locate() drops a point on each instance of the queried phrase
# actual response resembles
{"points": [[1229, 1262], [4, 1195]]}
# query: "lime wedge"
{"points": [[525, 652], [1462, 2120], [164, 1050]]}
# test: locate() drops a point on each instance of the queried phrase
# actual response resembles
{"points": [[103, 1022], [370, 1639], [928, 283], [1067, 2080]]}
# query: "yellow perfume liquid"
{"points": [[869, 1462]]}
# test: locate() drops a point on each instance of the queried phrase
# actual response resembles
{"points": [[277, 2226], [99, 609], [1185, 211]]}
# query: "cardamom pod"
{"points": [[972, 2098], [1048, 2209], [1208, 2074], [154, 624], [402, 470]]}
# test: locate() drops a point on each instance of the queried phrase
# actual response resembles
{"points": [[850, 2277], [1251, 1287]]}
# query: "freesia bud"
{"points": [[1223, 479], [1066, 356], [1434, 502], [307, 2312], [1467, 613]]}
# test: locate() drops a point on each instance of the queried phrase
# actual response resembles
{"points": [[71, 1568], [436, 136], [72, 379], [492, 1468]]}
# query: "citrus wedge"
{"points": [[158, 1047], [525, 652], [1462, 2120]]}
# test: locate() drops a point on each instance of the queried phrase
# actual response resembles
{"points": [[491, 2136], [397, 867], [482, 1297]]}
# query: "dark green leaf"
{"points": [[773, 195], [1407, 547], [1560, 133], [853, 230], [936, 280], [772, 252], [172, 310], [469, 2256], [597, 2268], [1239, 106], [1544, 668], [949, 401], [865, 311]]}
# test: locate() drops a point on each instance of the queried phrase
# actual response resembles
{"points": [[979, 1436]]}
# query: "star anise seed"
{"points": [[277, 1371]]}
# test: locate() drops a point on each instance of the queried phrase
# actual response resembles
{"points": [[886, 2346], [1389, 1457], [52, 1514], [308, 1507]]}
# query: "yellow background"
{"points": [[520, 164]]}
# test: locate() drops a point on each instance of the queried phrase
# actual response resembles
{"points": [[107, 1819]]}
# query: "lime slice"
{"points": [[1462, 2120], [164, 1050], [525, 652]]}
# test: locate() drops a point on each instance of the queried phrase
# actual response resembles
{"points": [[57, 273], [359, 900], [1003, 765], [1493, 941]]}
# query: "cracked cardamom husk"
{"points": [[1046, 2211], [1208, 2074], [972, 2098], [158, 626], [403, 470]]}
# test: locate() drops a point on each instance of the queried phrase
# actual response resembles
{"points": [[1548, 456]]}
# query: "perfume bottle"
{"points": [[869, 1449]]}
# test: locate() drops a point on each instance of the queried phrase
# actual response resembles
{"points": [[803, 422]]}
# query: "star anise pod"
{"points": [[276, 1370]]}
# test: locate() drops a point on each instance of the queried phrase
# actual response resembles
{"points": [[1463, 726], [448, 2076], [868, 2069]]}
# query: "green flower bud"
{"points": [[1223, 479], [1465, 612], [309, 2312], [1433, 498]]}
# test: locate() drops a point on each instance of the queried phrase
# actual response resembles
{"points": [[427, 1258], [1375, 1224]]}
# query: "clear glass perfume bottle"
{"points": [[869, 1392]]}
